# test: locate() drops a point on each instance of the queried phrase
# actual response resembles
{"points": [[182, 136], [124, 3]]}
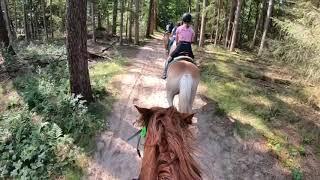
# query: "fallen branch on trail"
{"points": [[94, 56], [110, 46], [267, 79]]}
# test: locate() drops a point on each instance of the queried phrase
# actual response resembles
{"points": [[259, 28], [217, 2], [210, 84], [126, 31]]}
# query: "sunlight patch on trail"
{"points": [[149, 48]]}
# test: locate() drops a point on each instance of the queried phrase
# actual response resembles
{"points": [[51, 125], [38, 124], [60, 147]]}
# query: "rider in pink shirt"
{"points": [[184, 38], [185, 33]]}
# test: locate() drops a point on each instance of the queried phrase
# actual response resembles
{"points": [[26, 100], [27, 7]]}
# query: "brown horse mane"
{"points": [[168, 150]]}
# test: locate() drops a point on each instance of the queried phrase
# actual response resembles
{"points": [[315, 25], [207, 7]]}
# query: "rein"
{"points": [[142, 133]]}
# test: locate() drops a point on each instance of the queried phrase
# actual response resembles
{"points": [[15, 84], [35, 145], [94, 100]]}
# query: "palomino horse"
{"points": [[182, 78], [166, 38], [167, 149]]}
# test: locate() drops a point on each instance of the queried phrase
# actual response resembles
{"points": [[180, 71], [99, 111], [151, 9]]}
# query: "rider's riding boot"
{"points": [[164, 75]]}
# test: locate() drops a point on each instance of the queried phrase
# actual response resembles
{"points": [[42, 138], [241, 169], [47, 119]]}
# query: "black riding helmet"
{"points": [[187, 18]]}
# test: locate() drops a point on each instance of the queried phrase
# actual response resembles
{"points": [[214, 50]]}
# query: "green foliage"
{"points": [[297, 174], [259, 108], [48, 95], [299, 45], [171, 10], [46, 132], [32, 148]]}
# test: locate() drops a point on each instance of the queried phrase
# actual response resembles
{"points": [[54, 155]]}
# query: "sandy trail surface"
{"points": [[221, 153]]}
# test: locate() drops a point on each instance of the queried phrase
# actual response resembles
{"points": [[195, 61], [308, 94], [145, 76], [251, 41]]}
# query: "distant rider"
{"points": [[174, 34], [184, 38]]}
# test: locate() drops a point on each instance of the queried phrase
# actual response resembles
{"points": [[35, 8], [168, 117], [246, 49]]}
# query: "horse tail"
{"points": [[185, 93]]}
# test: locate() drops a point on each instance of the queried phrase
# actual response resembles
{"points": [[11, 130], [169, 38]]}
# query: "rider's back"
{"points": [[185, 33]]}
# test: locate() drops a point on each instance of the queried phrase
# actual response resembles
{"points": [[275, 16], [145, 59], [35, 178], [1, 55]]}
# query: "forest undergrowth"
{"points": [[268, 102], [46, 132]]}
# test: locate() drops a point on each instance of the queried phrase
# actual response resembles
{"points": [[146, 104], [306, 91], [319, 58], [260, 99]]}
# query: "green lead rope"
{"points": [[143, 132]]}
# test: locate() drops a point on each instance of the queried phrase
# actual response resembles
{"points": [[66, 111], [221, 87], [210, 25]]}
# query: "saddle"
{"points": [[183, 58]]}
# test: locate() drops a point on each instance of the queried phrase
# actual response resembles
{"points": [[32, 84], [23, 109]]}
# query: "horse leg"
{"points": [[171, 92], [170, 97]]}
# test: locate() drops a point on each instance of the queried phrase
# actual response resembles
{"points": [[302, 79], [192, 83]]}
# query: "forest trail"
{"points": [[221, 153]]}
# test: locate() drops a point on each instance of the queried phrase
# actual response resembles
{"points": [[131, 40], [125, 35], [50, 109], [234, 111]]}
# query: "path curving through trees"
{"points": [[221, 153]]}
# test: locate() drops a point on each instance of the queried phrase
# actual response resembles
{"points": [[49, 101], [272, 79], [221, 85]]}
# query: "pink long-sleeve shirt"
{"points": [[185, 33]]}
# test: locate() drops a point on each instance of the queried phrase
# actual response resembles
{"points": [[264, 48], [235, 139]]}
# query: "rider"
{"points": [[169, 27], [184, 38], [173, 34]]}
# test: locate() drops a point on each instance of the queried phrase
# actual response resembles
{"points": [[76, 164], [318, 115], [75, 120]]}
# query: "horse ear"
{"points": [[143, 111], [187, 118]]}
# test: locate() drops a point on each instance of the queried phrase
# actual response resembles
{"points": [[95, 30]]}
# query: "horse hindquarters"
{"points": [[187, 91]]}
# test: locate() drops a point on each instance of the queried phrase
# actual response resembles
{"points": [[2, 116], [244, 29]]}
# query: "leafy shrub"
{"points": [[48, 131], [31, 148], [47, 93]]}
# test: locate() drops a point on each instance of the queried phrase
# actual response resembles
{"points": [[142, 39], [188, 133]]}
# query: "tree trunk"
{"points": [[203, 23], [150, 18], [108, 22], [260, 11], [218, 22], [154, 17], [264, 14], [44, 4], [127, 18], [266, 26], [6, 17], [32, 30], [121, 21], [136, 22], [196, 21], [114, 17], [26, 20], [131, 21], [230, 22], [4, 36], [63, 21], [99, 19], [225, 26], [77, 49], [15, 16], [93, 20], [51, 21], [236, 26], [190, 6]]}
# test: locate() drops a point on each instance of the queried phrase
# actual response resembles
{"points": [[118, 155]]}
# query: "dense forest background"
{"points": [[284, 33], [291, 38]]}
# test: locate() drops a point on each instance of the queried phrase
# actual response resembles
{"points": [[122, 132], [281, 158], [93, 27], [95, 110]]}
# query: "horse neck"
{"points": [[178, 161], [174, 160], [167, 154], [149, 164]]}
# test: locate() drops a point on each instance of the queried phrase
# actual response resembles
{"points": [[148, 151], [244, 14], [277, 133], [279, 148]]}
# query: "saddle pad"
{"points": [[180, 58]]}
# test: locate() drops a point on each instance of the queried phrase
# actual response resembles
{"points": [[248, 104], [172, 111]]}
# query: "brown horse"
{"points": [[167, 149], [182, 78]]}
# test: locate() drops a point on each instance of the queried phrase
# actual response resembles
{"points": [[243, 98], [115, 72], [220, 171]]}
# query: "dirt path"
{"points": [[221, 154]]}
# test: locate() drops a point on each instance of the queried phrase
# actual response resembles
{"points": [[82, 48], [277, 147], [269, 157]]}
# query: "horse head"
{"points": [[167, 151]]}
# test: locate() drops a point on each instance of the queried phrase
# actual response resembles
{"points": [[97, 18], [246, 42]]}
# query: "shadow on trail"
{"points": [[225, 155]]}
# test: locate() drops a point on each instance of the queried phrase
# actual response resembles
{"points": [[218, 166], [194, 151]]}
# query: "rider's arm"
{"points": [[177, 35], [193, 35]]}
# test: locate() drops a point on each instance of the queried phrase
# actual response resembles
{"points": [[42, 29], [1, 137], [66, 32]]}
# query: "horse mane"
{"points": [[168, 150]]}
